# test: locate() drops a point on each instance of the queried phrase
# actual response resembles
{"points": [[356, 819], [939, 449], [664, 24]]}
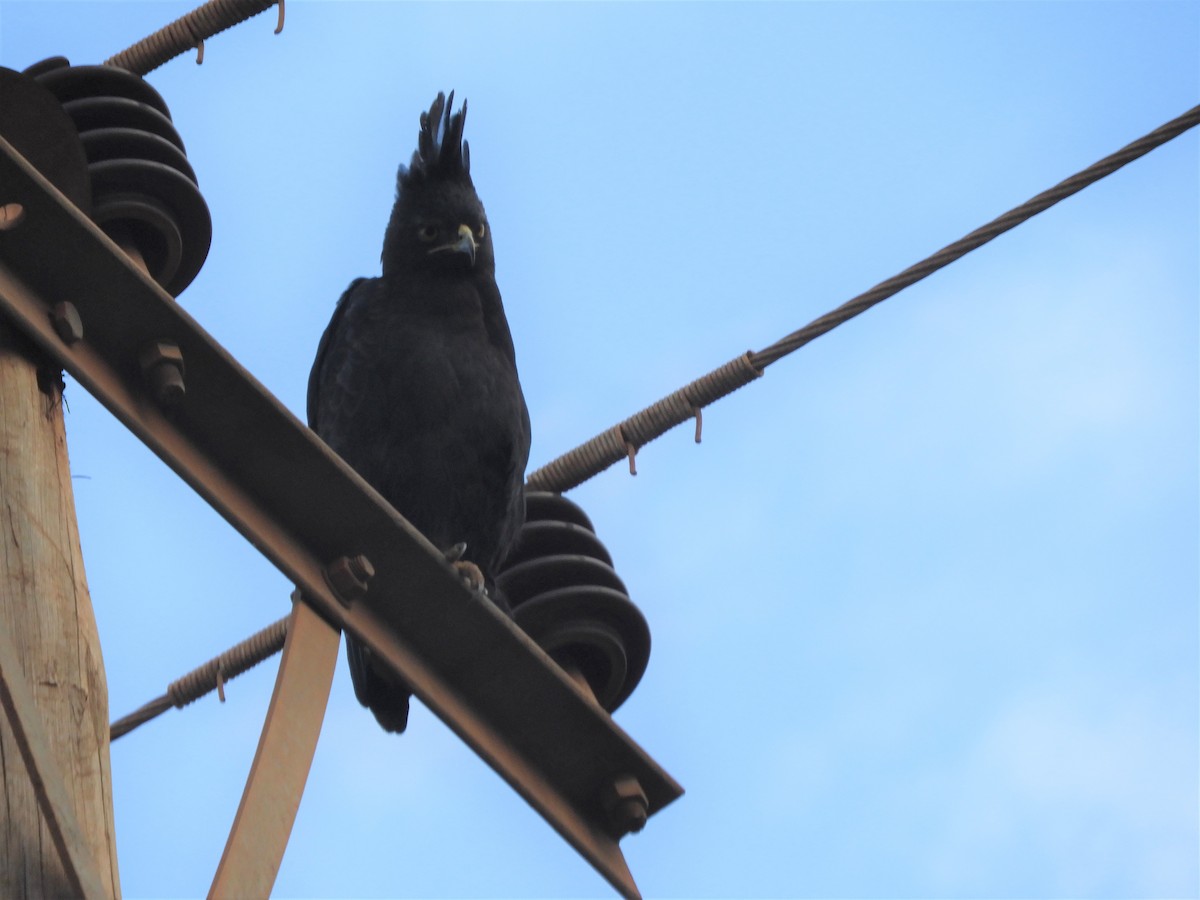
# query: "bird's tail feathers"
{"points": [[385, 697]]}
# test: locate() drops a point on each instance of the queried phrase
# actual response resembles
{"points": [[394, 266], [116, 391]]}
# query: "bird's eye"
{"points": [[427, 232], [481, 230]]}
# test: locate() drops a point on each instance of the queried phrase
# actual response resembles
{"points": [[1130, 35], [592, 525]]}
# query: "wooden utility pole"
{"points": [[47, 621]]}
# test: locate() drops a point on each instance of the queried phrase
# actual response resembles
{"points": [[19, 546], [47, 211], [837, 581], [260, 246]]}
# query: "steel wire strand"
{"points": [[622, 440], [185, 33], [977, 238], [594, 456], [207, 678]]}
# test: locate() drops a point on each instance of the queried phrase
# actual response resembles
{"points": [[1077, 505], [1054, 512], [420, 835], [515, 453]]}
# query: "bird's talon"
{"points": [[471, 575], [455, 553]]}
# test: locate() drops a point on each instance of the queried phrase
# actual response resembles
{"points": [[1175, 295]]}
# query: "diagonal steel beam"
{"points": [[305, 509]]}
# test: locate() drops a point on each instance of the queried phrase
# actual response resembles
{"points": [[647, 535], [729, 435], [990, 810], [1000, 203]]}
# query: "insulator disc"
{"points": [[117, 186], [544, 505], [565, 594], [38, 68], [543, 538], [146, 223], [73, 82], [537, 576], [103, 144], [596, 630], [118, 112], [144, 190]]}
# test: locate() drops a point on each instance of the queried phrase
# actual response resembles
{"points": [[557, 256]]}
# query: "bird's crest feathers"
{"points": [[441, 151], [436, 183]]}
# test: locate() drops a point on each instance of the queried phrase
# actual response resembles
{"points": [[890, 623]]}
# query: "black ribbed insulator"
{"points": [[144, 191], [564, 593]]}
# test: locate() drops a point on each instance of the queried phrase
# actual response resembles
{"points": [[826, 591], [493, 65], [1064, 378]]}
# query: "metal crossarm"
{"points": [[309, 513]]}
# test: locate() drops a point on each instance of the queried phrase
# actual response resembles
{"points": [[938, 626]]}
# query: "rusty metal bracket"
{"points": [[285, 753], [304, 508]]}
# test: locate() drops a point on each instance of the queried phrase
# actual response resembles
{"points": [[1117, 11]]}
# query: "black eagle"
{"points": [[415, 381]]}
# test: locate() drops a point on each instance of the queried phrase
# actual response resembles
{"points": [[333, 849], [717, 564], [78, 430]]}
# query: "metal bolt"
{"points": [[67, 322], [11, 215], [625, 804], [162, 365], [349, 576]]}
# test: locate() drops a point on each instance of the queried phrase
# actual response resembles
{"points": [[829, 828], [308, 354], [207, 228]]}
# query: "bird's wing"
{"points": [[494, 319], [335, 345]]}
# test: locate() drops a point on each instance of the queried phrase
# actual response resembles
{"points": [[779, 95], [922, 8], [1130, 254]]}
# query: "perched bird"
{"points": [[415, 381]]}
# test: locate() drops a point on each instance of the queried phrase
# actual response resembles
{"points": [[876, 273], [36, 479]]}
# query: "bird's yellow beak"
{"points": [[465, 244]]}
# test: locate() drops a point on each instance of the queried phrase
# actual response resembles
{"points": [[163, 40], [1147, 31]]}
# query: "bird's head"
{"points": [[438, 223]]}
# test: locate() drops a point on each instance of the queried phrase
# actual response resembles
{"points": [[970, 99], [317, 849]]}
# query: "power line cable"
{"points": [[624, 439], [208, 678]]}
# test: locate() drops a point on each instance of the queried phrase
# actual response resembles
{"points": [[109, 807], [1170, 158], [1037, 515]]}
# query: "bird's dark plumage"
{"points": [[415, 381]]}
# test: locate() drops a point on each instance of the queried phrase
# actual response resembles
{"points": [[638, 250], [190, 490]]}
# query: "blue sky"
{"points": [[924, 602]]}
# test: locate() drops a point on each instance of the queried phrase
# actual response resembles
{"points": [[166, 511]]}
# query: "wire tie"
{"points": [[699, 422], [630, 450], [221, 681], [279, 24], [200, 53]]}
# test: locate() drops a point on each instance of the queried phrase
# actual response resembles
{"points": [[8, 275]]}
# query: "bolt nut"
{"points": [[625, 804], [349, 576], [67, 323], [162, 365]]}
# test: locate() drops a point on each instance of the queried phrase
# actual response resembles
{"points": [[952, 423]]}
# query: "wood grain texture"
{"points": [[46, 613]]}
